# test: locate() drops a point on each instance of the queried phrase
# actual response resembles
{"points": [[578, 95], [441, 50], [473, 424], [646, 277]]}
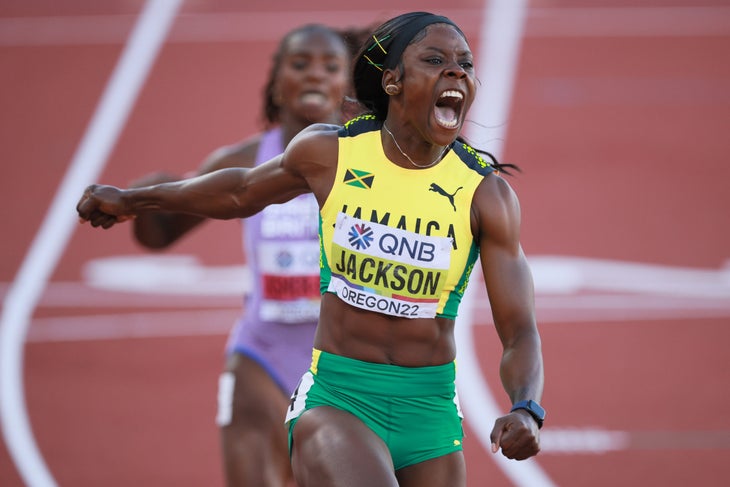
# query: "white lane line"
{"points": [[582, 441], [205, 317], [568, 289], [497, 64], [596, 441], [58, 225], [120, 326], [480, 407]]}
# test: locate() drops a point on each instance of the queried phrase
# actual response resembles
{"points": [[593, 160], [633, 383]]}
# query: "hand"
{"points": [[517, 435], [102, 206]]}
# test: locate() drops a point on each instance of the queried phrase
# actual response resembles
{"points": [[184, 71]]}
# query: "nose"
{"points": [[454, 70], [317, 71]]}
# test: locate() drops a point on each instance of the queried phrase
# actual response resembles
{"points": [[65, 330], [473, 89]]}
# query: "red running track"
{"points": [[619, 120]]}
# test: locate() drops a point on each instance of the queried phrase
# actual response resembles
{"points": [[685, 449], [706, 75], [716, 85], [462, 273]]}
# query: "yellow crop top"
{"points": [[398, 241]]}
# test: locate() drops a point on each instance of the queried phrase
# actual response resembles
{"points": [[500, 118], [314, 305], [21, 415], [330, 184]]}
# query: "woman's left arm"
{"points": [[511, 295]]}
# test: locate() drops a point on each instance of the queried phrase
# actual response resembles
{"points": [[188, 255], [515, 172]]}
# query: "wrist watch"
{"points": [[532, 407]]}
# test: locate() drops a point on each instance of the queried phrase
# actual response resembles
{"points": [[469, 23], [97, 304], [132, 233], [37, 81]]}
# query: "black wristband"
{"points": [[532, 407]]}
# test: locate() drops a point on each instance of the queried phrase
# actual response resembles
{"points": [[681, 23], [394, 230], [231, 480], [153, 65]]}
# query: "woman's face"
{"points": [[438, 83], [313, 78]]}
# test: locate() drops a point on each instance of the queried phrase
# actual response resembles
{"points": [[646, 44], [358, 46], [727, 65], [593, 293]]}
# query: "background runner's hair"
{"points": [[272, 111]]}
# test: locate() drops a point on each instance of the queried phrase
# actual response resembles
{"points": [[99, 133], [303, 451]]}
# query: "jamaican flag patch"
{"points": [[359, 179]]}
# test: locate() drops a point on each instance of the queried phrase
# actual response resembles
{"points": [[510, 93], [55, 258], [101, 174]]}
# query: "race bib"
{"points": [[290, 281], [388, 270]]}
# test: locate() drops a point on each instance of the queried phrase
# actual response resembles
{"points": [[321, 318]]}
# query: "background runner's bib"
{"points": [[400, 239], [285, 260], [287, 255]]}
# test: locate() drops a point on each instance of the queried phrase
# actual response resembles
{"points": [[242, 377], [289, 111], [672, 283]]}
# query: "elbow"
{"points": [[240, 207], [152, 242], [152, 232], [522, 341]]}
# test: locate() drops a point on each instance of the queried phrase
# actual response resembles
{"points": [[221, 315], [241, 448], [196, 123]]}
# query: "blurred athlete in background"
{"points": [[271, 343]]}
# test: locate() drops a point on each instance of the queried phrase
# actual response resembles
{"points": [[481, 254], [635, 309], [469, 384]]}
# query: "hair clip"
{"points": [[377, 43], [370, 61]]}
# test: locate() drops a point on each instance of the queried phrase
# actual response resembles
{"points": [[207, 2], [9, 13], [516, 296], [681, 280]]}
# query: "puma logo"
{"points": [[438, 189]]}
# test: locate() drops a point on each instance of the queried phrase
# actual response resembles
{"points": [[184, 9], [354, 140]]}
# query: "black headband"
{"points": [[399, 44]]}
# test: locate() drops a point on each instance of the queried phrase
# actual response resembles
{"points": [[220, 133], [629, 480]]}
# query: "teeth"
{"points": [[313, 98], [449, 124], [452, 94]]}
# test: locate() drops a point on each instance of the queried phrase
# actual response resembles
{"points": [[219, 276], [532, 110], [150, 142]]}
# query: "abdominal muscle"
{"points": [[374, 337]]}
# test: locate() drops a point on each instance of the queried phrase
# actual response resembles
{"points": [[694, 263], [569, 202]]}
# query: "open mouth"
{"points": [[313, 98], [448, 108]]}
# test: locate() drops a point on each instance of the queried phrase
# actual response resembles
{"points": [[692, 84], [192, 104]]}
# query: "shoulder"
{"points": [[312, 151], [360, 125], [312, 156], [239, 154], [497, 209], [495, 196], [474, 160], [314, 141]]}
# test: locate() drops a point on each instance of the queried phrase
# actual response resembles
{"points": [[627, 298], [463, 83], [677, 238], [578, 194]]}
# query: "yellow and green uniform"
{"points": [[394, 240], [414, 410]]}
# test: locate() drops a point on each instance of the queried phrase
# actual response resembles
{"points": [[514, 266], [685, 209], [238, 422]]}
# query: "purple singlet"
{"points": [[280, 313]]}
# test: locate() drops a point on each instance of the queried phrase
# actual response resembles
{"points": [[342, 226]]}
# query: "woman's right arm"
{"points": [[223, 194], [158, 230]]}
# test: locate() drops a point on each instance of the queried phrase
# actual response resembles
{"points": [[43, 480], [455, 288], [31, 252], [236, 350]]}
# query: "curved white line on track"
{"points": [[480, 407], [498, 59], [57, 228]]}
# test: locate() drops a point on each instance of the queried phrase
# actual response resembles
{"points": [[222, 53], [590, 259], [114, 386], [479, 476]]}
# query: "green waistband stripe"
{"points": [[383, 379]]}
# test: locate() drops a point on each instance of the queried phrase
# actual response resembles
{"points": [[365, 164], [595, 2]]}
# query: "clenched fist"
{"points": [[103, 206]]}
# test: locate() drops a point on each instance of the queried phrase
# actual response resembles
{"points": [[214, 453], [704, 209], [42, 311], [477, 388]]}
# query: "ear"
{"points": [[390, 82]]}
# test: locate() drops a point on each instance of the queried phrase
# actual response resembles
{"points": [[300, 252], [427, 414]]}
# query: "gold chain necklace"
{"points": [[406, 155]]}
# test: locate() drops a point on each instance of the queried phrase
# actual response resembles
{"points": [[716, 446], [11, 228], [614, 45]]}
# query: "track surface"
{"points": [[619, 120]]}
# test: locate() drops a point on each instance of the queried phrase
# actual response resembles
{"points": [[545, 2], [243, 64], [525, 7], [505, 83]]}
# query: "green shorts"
{"points": [[414, 410]]}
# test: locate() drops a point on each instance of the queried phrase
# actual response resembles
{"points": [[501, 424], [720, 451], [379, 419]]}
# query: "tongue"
{"points": [[446, 115]]}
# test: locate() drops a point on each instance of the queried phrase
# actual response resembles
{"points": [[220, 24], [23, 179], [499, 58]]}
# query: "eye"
{"points": [[299, 64], [435, 61], [334, 67], [467, 65]]}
